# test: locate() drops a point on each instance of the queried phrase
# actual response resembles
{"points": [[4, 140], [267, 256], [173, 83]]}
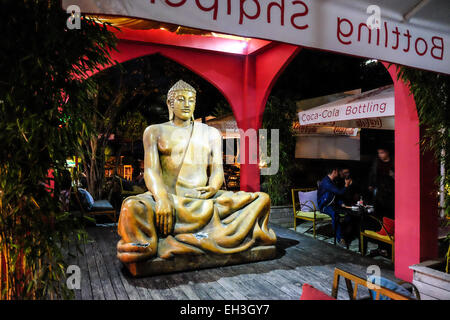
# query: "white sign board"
{"points": [[339, 26], [369, 109], [372, 104]]}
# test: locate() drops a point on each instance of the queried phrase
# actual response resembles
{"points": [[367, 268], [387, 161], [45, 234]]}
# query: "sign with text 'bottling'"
{"points": [[371, 104], [339, 26]]}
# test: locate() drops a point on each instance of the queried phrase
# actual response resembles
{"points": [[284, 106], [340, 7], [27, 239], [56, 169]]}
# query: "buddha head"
{"points": [[181, 101]]}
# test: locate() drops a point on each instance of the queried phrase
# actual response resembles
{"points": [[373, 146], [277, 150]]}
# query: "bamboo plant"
{"points": [[43, 95]]}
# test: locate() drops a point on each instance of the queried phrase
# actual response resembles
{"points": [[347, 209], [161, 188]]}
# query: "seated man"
{"points": [[328, 204], [352, 193], [350, 198], [184, 212]]}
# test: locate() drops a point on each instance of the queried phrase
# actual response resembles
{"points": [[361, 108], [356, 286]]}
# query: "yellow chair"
{"points": [[314, 216], [388, 238]]}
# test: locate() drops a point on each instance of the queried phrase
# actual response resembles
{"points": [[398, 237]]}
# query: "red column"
{"points": [[250, 173], [261, 70], [415, 205]]}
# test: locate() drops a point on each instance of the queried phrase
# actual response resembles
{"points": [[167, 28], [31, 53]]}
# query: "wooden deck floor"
{"points": [[301, 259]]}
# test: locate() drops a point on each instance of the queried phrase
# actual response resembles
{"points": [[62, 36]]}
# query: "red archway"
{"points": [[244, 79], [245, 71]]}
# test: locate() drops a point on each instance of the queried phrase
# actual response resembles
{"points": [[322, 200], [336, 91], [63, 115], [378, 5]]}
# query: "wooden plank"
{"points": [[177, 292], [233, 281], [242, 278], [103, 273], [109, 241], [144, 285], [426, 297], [302, 274], [260, 287], [216, 291], [288, 290], [158, 286], [71, 259], [231, 287], [346, 260], [431, 280], [86, 289], [96, 285], [266, 290], [308, 260], [186, 287], [142, 291], [193, 280], [432, 291], [235, 286], [269, 273], [109, 258]]}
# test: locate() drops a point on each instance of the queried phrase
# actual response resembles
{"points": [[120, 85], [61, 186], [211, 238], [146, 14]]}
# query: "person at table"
{"points": [[330, 205], [350, 198], [382, 183], [382, 187], [352, 192]]}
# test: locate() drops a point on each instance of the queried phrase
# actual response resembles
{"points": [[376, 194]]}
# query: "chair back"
{"points": [[295, 199], [353, 291]]}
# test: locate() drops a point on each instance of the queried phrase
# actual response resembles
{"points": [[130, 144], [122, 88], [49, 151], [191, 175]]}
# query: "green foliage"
{"points": [[280, 115], [43, 99], [222, 109], [132, 126], [432, 96]]}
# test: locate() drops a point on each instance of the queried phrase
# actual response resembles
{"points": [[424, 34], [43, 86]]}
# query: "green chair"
{"points": [[314, 216]]}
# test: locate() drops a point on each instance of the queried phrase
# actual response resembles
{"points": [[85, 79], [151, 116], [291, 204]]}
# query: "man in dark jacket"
{"points": [[352, 194], [382, 183], [328, 204], [382, 188]]}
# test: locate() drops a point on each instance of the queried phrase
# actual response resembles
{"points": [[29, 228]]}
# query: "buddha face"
{"points": [[183, 105]]}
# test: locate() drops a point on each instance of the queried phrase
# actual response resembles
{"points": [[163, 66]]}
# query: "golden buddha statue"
{"points": [[184, 211]]}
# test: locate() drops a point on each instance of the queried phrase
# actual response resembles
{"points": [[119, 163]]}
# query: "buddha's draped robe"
{"points": [[224, 224]]}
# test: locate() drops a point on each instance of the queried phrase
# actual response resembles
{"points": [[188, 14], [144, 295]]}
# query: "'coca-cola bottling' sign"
{"points": [[340, 26], [377, 103], [366, 109]]}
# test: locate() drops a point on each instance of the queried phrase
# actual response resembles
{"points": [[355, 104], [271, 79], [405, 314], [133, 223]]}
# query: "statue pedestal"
{"points": [[194, 262]]}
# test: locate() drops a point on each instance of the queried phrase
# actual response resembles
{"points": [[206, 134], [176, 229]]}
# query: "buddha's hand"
{"points": [[164, 216], [206, 192]]}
